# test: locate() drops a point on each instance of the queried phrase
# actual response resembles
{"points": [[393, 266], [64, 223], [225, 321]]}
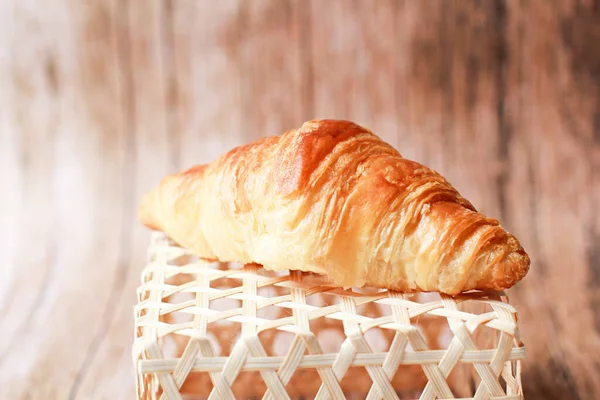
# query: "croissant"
{"points": [[334, 199]]}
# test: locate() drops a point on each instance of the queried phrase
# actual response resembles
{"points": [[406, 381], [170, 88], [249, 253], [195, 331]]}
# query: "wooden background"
{"points": [[99, 99]]}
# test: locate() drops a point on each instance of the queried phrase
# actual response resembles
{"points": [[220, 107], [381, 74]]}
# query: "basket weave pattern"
{"points": [[200, 307]]}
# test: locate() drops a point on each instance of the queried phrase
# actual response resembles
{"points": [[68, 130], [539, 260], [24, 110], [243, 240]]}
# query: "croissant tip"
{"points": [[516, 266], [501, 268], [510, 270]]}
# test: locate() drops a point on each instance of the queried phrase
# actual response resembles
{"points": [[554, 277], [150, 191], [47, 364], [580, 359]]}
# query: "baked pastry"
{"points": [[334, 199]]}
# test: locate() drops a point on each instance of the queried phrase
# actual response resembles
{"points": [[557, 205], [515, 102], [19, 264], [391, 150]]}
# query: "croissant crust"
{"points": [[334, 199]]}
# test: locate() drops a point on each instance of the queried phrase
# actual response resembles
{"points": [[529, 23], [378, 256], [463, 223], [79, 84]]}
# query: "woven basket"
{"points": [[227, 331]]}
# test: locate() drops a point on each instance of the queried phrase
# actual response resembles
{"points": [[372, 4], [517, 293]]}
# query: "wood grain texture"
{"points": [[100, 99]]}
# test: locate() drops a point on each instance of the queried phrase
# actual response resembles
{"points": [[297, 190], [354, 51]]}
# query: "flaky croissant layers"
{"points": [[333, 198]]}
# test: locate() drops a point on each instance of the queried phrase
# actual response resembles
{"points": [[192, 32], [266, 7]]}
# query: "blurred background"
{"points": [[100, 99]]}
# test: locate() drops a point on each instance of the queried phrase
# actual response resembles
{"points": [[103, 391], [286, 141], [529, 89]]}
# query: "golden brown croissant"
{"points": [[333, 198]]}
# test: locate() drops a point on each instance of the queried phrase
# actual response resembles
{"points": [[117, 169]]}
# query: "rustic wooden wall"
{"points": [[99, 99]]}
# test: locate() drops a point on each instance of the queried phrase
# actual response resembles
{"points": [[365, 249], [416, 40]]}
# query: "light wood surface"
{"points": [[100, 99]]}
